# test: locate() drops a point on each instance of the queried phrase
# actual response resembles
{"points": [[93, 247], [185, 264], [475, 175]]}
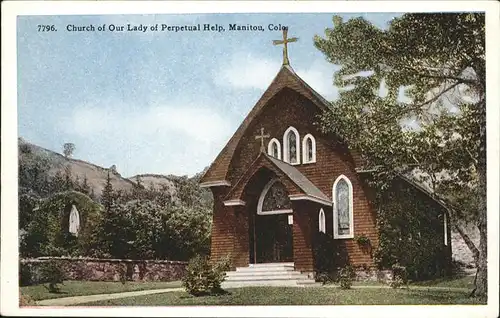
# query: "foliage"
{"points": [[52, 273], [410, 233], [363, 240], [346, 277], [437, 62], [68, 149], [25, 300], [25, 274], [399, 276], [204, 278], [33, 171], [47, 232]]}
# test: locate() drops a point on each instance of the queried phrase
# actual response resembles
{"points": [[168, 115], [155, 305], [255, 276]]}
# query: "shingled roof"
{"points": [[306, 189], [286, 78]]}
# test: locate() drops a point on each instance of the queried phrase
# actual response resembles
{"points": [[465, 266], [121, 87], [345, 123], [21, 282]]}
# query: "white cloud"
{"points": [[169, 138], [246, 71], [249, 72]]}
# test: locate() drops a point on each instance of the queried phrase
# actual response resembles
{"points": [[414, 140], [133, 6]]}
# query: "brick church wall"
{"points": [[222, 226], [332, 160]]}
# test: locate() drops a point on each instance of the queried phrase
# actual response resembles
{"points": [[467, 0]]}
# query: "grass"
{"points": [[298, 296], [80, 288], [453, 282]]}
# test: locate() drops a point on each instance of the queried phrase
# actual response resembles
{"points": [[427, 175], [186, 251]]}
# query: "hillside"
{"points": [[96, 175]]}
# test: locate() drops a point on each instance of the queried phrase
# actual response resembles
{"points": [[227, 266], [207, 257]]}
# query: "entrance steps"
{"points": [[267, 274]]}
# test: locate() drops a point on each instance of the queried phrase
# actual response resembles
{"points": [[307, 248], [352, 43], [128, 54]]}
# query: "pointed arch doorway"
{"points": [[272, 225]]}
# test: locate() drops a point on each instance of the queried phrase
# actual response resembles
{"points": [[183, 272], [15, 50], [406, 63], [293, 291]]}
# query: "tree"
{"points": [[68, 149], [33, 171], [438, 61]]}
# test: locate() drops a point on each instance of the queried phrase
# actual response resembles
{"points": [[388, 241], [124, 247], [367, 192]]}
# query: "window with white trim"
{"points": [[291, 146], [445, 228], [343, 225], [321, 221], [308, 149], [274, 148], [274, 199]]}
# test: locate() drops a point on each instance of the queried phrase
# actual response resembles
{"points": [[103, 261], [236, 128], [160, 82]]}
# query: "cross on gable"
{"points": [[285, 42], [261, 137]]}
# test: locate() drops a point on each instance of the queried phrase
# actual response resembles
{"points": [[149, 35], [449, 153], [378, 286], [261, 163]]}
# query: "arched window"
{"points": [[343, 226], [291, 150], [274, 199], [308, 149], [321, 221], [274, 148]]}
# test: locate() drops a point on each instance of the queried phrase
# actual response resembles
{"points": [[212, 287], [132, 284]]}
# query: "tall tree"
{"points": [[68, 149], [437, 61]]}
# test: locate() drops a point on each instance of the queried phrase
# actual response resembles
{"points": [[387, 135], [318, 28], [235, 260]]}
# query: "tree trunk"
{"points": [[468, 242], [481, 289]]}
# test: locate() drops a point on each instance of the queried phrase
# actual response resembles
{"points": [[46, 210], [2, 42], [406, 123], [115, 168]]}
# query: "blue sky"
{"points": [[156, 102]]}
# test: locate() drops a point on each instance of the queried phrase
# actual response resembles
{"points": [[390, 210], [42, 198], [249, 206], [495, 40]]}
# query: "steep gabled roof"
{"points": [[299, 179], [306, 189], [286, 78]]}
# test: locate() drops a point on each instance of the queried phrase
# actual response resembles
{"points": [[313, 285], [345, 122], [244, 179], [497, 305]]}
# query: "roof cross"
{"points": [[285, 42], [261, 137]]}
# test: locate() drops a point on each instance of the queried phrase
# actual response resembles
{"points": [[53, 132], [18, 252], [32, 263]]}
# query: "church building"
{"points": [[286, 192]]}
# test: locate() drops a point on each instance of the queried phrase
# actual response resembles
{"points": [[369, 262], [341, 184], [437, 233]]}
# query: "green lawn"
{"points": [[80, 288], [298, 296], [455, 282]]}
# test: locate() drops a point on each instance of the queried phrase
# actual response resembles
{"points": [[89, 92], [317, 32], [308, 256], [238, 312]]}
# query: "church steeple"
{"points": [[285, 42]]}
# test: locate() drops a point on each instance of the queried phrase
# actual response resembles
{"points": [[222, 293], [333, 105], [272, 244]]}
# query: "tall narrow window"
{"points": [[321, 221], [274, 148], [445, 222], [291, 150], [342, 208], [308, 149]]}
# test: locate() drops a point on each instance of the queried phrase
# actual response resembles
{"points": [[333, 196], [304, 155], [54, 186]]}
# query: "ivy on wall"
{"points": [[411, 233]]}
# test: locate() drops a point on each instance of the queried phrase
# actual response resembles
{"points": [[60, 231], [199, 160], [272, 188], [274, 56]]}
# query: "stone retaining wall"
{"points": [[94, 269]]}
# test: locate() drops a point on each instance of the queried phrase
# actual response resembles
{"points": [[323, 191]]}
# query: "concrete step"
{"points": [[268, 277], [265, 268], [262, 273], [272, 264], [231, 284]]}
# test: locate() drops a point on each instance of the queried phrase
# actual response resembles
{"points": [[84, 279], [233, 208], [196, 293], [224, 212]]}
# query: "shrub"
{"points": [[399, 276], [346, 276], [25, 300], [25, 275], [52, 273], [326, 277], [203, 278]]}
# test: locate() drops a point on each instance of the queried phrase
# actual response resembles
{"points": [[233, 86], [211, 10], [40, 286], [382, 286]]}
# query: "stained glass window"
{"points": [[276, 198], [274, 150], [292, 144], [309, 149], [343, 206]]}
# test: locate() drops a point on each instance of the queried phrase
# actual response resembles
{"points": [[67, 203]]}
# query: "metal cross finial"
{"points": [[261, 137], [285, 42]]}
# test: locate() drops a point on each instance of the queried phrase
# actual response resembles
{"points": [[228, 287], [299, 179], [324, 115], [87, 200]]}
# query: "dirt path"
{"points": [[66, 301]]}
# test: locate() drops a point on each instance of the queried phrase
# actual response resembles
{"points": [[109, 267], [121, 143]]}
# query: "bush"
{"points": [[346, 276], [399, 276], [203, 278], [25, 300], [326, 277], [25, 275], [52, 273]]}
